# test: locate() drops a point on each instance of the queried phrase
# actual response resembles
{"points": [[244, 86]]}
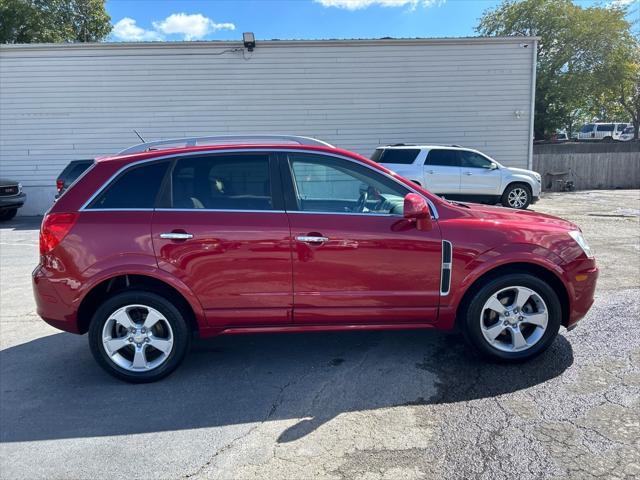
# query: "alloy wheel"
{"points": [[137, 338], [514, 319], [517, 197]]}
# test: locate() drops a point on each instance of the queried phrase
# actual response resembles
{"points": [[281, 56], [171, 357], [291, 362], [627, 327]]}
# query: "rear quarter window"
{"points": [[136, 188], [399, 156]]}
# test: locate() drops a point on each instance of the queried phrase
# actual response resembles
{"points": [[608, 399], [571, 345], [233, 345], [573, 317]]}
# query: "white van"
{"points": [[605, 132], [627, 134]]}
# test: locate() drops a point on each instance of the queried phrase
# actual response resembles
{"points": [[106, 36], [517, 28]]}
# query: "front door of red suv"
{"points": [[224, 233], [356, 259]]}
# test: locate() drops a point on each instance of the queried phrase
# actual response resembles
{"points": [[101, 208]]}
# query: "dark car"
{"points": [[70, 173], [155, 244], [11, 198]]}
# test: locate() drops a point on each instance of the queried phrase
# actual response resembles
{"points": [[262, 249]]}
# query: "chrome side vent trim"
{"points": [[445, 274]]}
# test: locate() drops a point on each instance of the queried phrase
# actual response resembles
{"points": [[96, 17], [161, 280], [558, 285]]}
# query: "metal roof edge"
{"points": [[266, 43]]}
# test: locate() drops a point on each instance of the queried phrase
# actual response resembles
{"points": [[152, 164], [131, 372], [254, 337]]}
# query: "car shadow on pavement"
{"points": [[51, 388]]}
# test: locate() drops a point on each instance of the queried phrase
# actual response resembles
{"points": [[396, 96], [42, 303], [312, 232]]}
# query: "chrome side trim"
{"points": [[445, 272], [357, 214], [221, 210], [118, 209], [434, 210]]}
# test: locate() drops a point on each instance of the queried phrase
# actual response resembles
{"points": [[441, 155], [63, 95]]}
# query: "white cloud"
{"points": [[191, 27], [359, 4], [127, 30]]}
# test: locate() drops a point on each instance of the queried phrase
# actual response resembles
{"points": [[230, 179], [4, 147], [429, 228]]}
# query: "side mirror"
{"points": [[493, 166], [416, 208]]}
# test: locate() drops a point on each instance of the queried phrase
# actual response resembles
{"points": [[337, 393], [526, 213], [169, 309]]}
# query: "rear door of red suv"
{"points": [[221, 228]]}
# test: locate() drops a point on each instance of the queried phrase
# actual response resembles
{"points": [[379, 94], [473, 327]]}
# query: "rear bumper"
{"points": [[14, 201], [49, 304]]}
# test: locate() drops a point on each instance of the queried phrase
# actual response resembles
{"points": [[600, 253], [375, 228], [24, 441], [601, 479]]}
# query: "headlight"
{"points": [[577, 236]]}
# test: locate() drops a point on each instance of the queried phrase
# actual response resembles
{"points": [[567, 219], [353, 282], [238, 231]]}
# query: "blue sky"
{"points": [[136, 20]]}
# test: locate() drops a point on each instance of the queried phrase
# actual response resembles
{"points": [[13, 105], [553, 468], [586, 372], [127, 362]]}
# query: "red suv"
{"points": [[290, 234]]}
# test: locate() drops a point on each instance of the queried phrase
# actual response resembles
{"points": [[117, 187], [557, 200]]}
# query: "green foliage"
{"points": [[579, 54], [53, 21]]}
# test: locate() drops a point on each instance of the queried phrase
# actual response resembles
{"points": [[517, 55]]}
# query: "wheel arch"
{"points": [[518, 181], [115, 284], [537, 270]]}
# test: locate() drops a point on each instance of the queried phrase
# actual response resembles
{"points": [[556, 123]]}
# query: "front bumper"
{"points": [[583, 279], [14, 201]]}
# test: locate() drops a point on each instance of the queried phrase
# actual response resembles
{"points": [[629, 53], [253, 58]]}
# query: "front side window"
{"points": [[136, 188], [443, 158], [474, 160], [621, 127], [328, 184], [222, 182]]}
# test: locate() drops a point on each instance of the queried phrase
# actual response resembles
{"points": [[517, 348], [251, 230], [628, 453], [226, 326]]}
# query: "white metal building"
{"points": [[64, 102]]}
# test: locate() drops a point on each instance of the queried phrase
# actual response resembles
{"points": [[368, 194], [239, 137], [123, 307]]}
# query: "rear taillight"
{"points": [[55, 227], [59, 185]]}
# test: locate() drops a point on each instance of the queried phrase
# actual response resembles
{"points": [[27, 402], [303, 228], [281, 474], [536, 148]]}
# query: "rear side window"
{"points": [[443, 158], [605, 128], [587, 128], [224, 182], [134, 189], [400, 156]]}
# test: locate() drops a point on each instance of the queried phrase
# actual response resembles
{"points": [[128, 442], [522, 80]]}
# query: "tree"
{"points": [[53, 21], [576, 47]]}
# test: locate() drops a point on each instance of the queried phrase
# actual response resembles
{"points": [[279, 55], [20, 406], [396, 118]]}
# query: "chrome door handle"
{"points": [[176, 236], [468, 173], [431, 171], [309, 239]]}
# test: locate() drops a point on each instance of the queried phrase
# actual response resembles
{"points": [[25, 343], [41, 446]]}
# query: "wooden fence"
{"points": [[588, 165]]}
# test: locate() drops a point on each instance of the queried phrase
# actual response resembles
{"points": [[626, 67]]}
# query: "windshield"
{"points": [[628, 130]]}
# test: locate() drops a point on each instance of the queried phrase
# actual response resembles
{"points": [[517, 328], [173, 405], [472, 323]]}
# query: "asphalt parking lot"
{"points": [[380, 405]]}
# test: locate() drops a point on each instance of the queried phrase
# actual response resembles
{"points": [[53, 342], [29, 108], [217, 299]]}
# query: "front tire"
{"points": [[139, 336], [518, 196], [8, 214], [512, 318]]}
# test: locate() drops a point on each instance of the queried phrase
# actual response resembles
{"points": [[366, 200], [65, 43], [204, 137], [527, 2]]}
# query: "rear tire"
{"points": [[530, 313], [517, 195], [8, 214], [139, 336]]}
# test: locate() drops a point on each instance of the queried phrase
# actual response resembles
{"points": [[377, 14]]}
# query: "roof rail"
{"points": [[222, 139]]}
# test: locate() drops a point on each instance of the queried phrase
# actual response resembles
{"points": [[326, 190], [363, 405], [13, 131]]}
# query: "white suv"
{"points": [[604, 132], [462, 174]]}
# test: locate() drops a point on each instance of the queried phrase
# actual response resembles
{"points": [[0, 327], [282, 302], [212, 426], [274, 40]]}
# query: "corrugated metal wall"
{"points": [[64, 102]]}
